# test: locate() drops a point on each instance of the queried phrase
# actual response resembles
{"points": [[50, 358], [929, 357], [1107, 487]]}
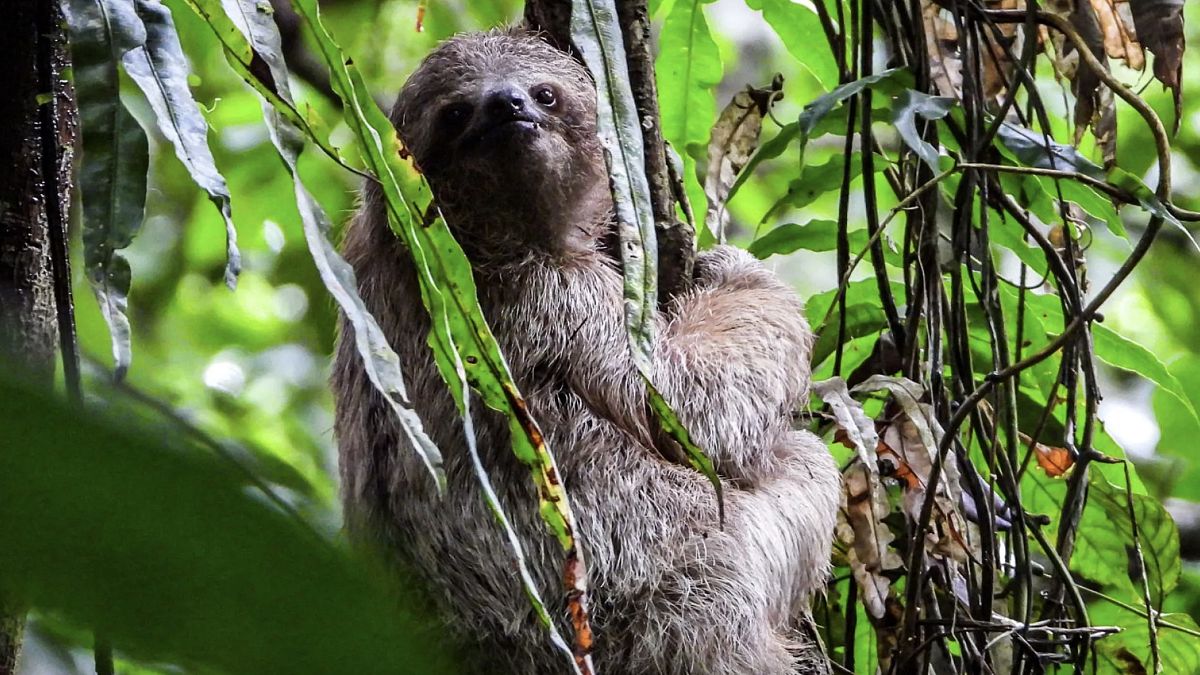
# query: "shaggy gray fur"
{"points": [[671, 592]]}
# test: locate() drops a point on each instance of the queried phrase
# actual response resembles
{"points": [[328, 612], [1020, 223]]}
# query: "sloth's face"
{"points": [[503, 120]]}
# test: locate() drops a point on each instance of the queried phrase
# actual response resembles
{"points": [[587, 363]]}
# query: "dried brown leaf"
{"points": [[734, 139], [1159, 26]]}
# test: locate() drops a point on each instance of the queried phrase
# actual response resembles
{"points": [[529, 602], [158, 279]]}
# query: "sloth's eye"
{"points": [[545, 96], [455, 114]]}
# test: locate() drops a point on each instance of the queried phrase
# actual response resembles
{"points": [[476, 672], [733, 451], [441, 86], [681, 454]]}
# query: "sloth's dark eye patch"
{"points": [[455, 115], [544, 94]]}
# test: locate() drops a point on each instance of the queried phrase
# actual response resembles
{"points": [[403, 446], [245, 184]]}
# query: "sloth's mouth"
{"points": [[505, 130]]}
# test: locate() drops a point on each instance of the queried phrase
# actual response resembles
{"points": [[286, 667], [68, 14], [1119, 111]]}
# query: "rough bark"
{"points": [[28, 330], [676, 239]]}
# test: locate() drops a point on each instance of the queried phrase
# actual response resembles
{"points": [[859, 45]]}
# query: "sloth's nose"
{"points": [[504, 103]]}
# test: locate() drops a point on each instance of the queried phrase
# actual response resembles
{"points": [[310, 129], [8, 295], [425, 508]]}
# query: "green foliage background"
{"points": [[250, 367]]}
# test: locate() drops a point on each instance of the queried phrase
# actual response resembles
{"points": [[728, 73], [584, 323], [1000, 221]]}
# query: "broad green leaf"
{"points": [[1121, 352], [864, 315], [116, 154], [1179, 429], [167, 553], [816, 181], [815, 235], [799, 28], [1128, 652], [912, 104], [688, 69], [160, 70], [1158, 539], [597, 34]]}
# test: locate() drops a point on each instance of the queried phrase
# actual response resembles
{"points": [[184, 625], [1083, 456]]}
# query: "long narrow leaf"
{"points": [[380, 362], [464, 347], [160, 70], [597, 34], [112, 177]]}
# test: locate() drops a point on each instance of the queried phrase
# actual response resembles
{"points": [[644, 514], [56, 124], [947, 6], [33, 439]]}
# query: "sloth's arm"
{"points": [[731, 358]]}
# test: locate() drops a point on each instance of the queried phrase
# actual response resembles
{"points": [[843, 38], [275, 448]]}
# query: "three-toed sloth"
{"points": [[504, 128]]}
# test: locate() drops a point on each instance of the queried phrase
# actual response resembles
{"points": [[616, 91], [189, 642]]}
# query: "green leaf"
{"points": [[909, 106], [1179, 429], [815, 235], [1031, 148], [1121, 352], [160, 70], [688, 69], [248, 64], [464, 348], [1128, 652], [814, 112], [597, 34], [799, 28], [116, 155], [381, 364], [169, 555], [1157, 536]]}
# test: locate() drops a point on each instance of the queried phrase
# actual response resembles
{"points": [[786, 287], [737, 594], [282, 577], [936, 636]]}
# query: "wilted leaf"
{"points": [[864, 501], [1120, 37], [814, 112], [112, 177], [941, 48], [160, 70], [860, 526], [909, 106], [912, 442], [734, 140]]}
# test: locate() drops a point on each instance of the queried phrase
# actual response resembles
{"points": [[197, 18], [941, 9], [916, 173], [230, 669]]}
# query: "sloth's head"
{"points": [[504, 127]]}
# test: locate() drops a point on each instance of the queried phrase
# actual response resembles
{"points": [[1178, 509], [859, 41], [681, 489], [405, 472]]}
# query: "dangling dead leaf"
{"points": [[864, 500], [909, 445], [941, 46], [1159, 27], [734, 139], [861, 527], [1115, 20]]}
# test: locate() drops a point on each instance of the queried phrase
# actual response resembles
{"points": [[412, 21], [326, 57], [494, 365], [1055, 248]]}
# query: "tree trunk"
{"points": [[32, 31]]}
